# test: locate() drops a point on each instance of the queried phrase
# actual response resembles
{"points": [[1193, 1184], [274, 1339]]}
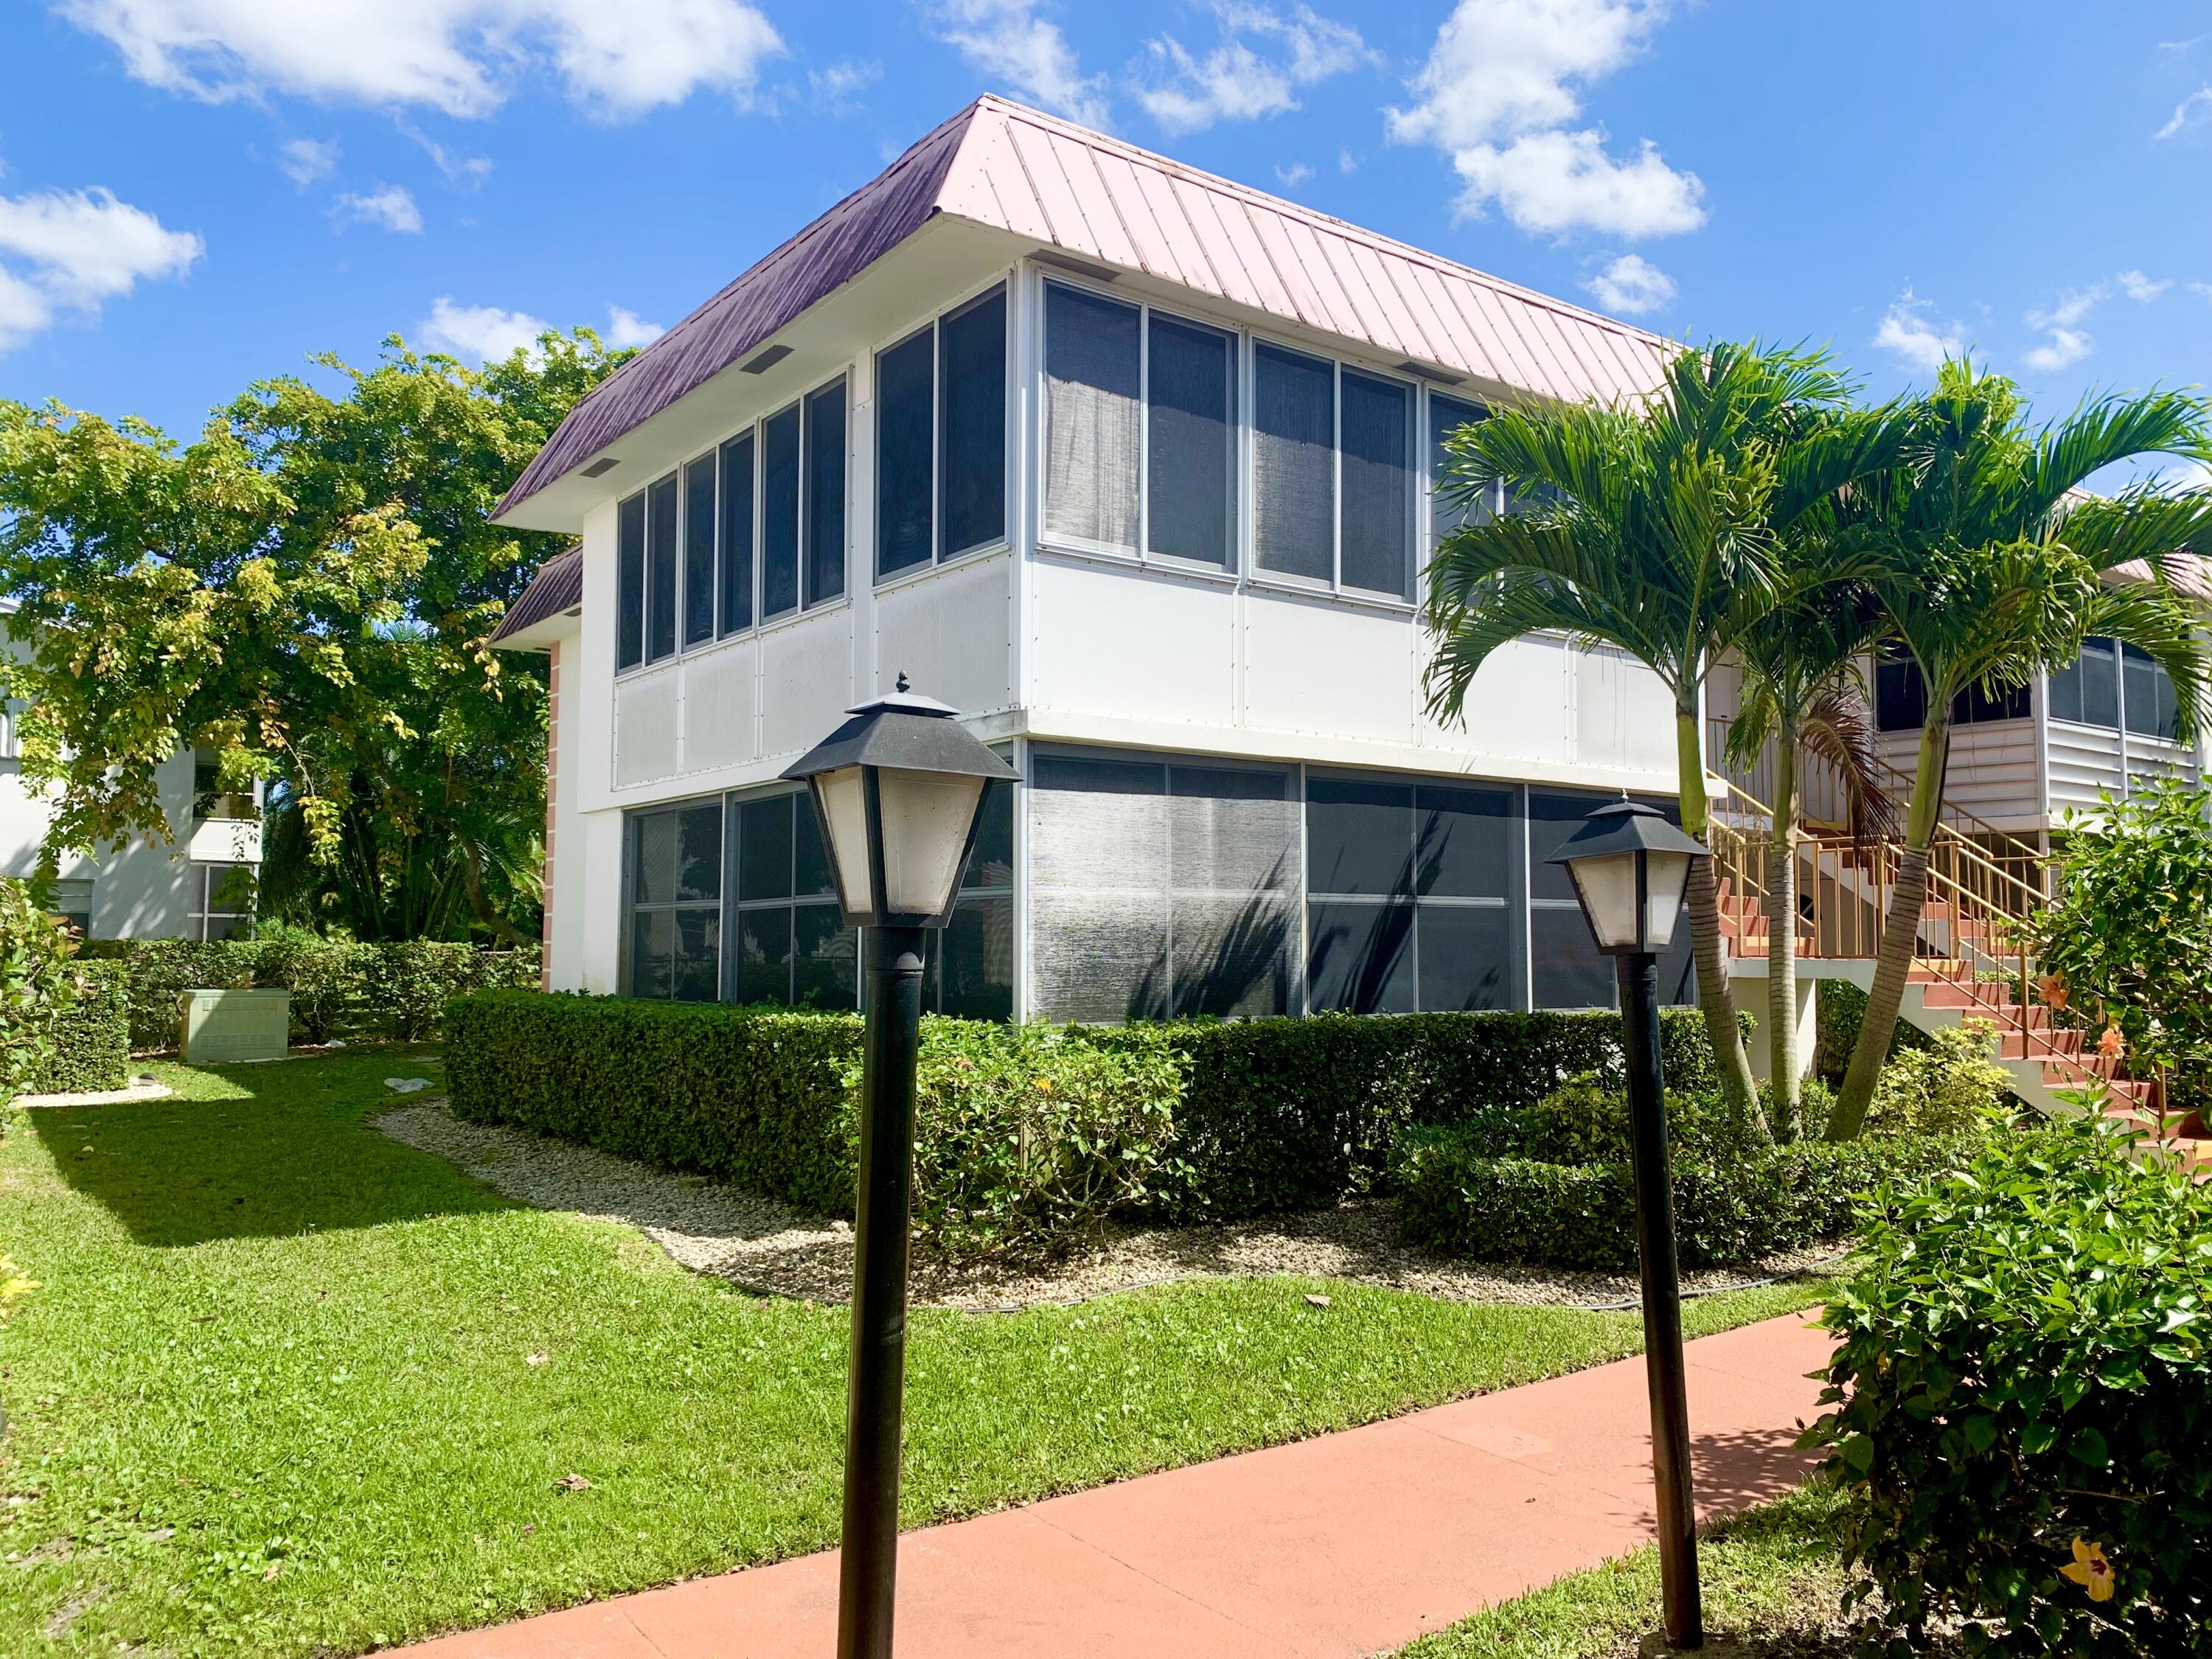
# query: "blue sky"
{"points": [[195, 194]]}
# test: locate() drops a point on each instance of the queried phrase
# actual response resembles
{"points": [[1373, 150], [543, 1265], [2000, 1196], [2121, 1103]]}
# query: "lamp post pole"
{"points": [[1681, 1609], [868, 1559]]}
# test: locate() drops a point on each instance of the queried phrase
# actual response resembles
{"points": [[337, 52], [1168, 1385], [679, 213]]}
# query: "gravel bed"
{"points": [[767, 1247]]}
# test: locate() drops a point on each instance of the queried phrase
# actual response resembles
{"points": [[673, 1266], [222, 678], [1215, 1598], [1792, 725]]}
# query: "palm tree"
{"points": [[1803, 693], [1994, 565], [1653, 528]]}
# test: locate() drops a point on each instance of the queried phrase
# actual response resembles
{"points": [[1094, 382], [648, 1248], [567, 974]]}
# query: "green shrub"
{"points": [[39, 983], [2022, 1366], [339, 989], [1026, 1138], [1947, 1088], [751, 1097], [1468, 1190], [1839, 1012], [1292, 1113], [91, 1037]]}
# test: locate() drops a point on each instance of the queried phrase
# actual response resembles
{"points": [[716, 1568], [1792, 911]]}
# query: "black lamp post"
{"points": [[899, 790], [1630, 867]]}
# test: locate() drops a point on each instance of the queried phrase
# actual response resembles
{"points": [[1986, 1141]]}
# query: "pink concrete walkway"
{"points": [[1349, 1544]]}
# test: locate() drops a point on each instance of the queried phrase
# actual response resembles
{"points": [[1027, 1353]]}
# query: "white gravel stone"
{"points": [[766, 1246]]}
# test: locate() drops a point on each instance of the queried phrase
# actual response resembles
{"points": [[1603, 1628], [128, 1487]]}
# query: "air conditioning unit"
{"points": [[221, 1028]]}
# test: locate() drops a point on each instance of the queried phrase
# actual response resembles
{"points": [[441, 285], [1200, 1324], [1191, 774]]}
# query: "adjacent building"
{"points": [[1133, 466]]}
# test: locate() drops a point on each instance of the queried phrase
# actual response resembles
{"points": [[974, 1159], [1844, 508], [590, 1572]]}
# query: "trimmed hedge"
{"points": [[1457, 1194], [2021, 1404], [751, 1097], [1292, 1113], [339, 989], [91, 1037]]}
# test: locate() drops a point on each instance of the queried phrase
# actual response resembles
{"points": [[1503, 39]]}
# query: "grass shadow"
{"points": [[256, 1151]]}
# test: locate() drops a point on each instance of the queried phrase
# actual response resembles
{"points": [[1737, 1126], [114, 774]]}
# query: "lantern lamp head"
{"points": [[1630, 868], [899, 791]]}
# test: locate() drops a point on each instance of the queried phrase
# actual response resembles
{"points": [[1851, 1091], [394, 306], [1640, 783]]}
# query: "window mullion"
{"points": [[937, 549]]}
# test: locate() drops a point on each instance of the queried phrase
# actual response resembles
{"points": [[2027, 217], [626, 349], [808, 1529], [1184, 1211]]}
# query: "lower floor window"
{"points": [[222, 902]]}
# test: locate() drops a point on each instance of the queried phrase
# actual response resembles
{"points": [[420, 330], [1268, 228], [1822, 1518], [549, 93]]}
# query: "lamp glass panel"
{"points": [[926, 820], [1607, 886], [1665, 875], [845, 807]]}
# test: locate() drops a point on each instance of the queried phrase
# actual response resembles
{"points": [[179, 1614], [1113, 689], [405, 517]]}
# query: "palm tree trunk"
{"points": [[1714, 1001], [1782, 935], [1900, 933]]}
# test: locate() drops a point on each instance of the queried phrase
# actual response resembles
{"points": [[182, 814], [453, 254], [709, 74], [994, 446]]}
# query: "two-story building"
{"points": [[1131, 465]]}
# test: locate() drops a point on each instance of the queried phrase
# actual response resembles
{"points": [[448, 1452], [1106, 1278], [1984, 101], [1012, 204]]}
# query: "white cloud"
{"points": [[1555, 182], [1346, 161], [487, 334], [2074, 304], [1294, 175], [2202, 290], [468, 171], [2140, 287], [2193, 110], [392, 206], [1633, 285], [1007, 41], [458, 56], [1498, 94], [303, 161], [626, 329], [2064, 346], [1236, 82], [1907, 334], [72, 251], [834, 88], [2065, 343]]}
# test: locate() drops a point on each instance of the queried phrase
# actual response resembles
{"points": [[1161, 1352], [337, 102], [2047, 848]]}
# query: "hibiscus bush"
{"points": [[2021, 1403]]}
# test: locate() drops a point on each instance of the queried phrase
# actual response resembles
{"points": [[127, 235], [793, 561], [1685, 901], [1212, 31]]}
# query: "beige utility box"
{"points": [[223, 1027]]}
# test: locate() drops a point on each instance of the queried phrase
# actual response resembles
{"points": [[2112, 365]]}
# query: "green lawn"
{"points": [[1772, 1581], [276, 1393]]}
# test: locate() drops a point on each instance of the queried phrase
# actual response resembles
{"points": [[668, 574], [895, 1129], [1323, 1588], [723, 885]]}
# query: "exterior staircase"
{"points": [[1972, 960]]}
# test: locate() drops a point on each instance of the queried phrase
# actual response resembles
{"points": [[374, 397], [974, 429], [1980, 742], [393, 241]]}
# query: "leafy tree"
{"points": [[2127, 940], [1656, 528], [305, 592], [1993, 566]]}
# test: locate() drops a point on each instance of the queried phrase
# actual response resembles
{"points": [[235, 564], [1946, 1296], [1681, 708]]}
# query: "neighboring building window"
{"points": [[1566, 968], [1446, 415], [1409, 897], [222, 902], [1162, 889], [1901, 698], [1140, 430], [971, 962], [941, 438], [73, 905], [675, 910], [699, 516], [629, 582], [788, 943], [2117, 687], [1333, 477], [660, 529], [736, 580]]}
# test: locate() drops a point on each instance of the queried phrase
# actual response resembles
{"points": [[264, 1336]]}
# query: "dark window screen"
{"points": [[825, 494], [2088, 693], [972, 425], [1191, 447], [1293, 463], [737, 581], [699, 551], [1446, 514], [2148, 695], [780, 513], [1377, 499], [675, 910], [1900, 695], [629, 583], [1093, 369], [660, 524], [905, 396]]}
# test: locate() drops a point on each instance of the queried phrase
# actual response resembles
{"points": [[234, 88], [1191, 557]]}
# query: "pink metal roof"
{"points": [[998, 164]]}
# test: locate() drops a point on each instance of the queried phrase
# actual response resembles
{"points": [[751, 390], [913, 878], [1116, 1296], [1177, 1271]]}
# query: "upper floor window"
{"points": [[2118, 687], [686, 569], [941, 438], [1332, 477], [1140, 430], [1901, 698], [1446, 415]]}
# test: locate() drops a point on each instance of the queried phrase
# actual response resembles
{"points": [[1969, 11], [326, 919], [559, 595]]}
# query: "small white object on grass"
{"points": [[406, 1085]]}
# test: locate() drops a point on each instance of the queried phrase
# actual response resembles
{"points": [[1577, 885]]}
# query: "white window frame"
{"points": [[206, 877], [1003, 281]]}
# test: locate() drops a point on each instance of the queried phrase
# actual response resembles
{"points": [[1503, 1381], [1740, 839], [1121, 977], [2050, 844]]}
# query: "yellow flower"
{"points": [[2090, 1569], [1044, 1085]]}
